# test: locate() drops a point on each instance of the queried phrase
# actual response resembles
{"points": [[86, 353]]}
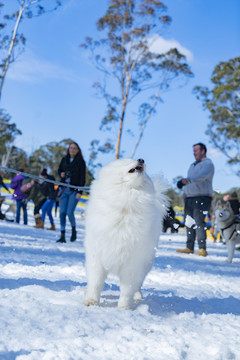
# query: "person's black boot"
{"points": [[62, 238], [74, 234]]}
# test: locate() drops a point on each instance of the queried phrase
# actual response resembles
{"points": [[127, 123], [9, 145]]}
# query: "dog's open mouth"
{"points": [[139, 167]]}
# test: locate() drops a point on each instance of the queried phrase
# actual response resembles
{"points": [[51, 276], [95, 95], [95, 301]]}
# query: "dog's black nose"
{"points": [[220, 214], [141, 161]]}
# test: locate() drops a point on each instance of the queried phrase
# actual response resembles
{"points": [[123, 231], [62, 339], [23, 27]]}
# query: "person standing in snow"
{"points": [[48, 190], [72, 170], [198, 190], [33, 192], [16, 184]]}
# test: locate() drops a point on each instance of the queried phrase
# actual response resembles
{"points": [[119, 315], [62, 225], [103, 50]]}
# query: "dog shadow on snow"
{"points": [[163, 304]]}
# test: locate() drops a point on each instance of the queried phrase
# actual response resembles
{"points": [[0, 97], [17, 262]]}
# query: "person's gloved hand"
{"points": [[180, 184]]}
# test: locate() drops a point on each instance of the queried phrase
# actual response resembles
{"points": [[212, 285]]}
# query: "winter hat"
{"points": [[234, 195], [44, 172]]}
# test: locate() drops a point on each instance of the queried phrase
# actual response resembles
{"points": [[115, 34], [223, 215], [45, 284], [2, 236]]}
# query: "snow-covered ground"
{"points": [[190, 309]]}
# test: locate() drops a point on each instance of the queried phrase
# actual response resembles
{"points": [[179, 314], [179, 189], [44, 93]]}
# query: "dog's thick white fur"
{"points": [[229, 226], [123, 223]]}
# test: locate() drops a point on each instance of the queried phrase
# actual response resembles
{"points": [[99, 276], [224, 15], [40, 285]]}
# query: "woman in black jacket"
{"points": [[72, 170]]}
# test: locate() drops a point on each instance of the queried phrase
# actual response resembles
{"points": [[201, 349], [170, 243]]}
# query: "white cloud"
{"points": [[214, 153], [29, 68], [160, 45]]}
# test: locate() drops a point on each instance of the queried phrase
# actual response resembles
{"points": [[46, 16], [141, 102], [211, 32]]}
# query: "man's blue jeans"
{"points": [[23, 205], [67, 204], [197, 208]]}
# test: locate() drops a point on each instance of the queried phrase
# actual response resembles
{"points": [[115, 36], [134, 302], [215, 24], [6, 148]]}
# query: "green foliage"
{"points": [[223, 103], [129, 64], [18, 160], [176, 198], [8, 132], [89, 177]]}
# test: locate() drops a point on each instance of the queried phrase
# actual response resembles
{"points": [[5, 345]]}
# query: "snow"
{"points": [[190, 307], [189, 221]]}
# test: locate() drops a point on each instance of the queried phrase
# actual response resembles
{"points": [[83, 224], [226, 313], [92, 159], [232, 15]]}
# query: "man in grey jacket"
{"points": [[198, 190]]}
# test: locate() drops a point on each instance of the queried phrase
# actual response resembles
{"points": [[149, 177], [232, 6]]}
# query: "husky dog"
{"points": [[123, 223], [229, 224], [12, 208]]}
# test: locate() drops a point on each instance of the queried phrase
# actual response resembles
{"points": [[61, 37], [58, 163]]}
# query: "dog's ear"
{"points": [[218, 203]]}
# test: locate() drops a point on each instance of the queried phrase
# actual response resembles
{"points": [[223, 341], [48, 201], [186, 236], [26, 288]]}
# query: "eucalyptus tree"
{"points": [[223, 104], [131, 65], [11, 39], [18, 160]]}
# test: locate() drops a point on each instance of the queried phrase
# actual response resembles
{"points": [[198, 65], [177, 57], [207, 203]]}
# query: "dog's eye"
{"points": [[132, 170]]}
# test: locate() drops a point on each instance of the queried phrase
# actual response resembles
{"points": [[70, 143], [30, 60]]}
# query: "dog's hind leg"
{"points": [[96, 276], [231, 249], [126, 296], [130, 285], [137, 296]]}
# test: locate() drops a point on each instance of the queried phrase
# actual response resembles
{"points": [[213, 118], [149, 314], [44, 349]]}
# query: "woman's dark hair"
{"points": [[44, 172], [202, 146], [79, 150]]}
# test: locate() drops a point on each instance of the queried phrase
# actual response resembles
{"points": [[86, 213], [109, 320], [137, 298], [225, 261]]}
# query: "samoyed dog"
{"points": [[123, 223]]}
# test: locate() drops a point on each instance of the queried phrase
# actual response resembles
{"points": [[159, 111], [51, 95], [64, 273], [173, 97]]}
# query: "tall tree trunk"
{"points": [[125, 100], [23, 6], [6, 65], [6, 156], [120, 129]]}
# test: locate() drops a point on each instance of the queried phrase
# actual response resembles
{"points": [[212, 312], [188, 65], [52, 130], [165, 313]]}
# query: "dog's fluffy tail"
{"points": [[161, 186]]}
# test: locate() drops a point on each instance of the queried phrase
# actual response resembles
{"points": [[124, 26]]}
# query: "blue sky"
{"points": [[48, 90]]}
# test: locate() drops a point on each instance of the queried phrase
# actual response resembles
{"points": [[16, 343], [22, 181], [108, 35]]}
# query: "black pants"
{"points": [[196, 208], [38, 206]]}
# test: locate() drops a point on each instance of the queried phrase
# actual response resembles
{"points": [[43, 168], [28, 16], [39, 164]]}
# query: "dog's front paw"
{"points": [[124, 306], [125, 303], [137, 296], [229, 261], [90, 302]]}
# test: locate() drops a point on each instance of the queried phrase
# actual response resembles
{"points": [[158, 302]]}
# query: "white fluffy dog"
{"points": [[123, 223]]}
